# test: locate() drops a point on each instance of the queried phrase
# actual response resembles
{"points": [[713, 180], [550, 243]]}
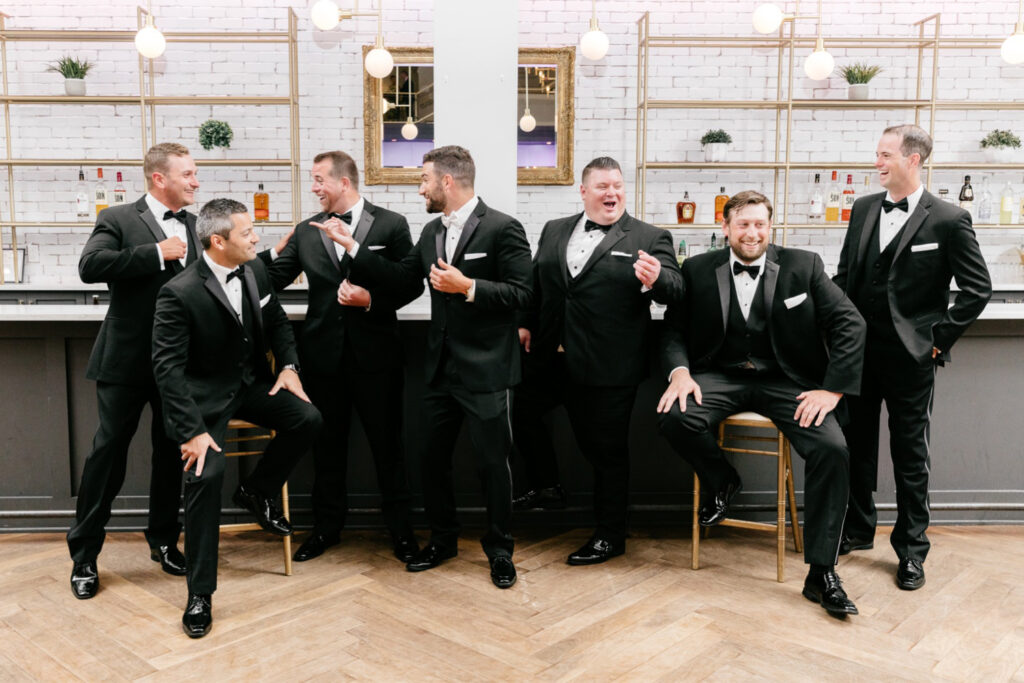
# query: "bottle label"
{"points": [[848, 200], [262, 214], [687, 212], [120, 197]]}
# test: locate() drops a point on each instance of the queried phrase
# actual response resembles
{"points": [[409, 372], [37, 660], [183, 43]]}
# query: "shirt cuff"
{"points": [[273, 254], [471, 294], [353, 250], [681, 367], [160, 255], [645, 289]]}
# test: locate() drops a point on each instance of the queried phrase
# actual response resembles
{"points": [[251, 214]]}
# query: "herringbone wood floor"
{"points": [[355, 613]]}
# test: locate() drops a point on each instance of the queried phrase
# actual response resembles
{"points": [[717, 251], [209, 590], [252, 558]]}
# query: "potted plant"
{"points": [[1000, 146], [715, 144], [858, 75], [215, 134], [73, 70]]}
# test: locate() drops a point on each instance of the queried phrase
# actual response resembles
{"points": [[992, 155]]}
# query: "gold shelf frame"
{"points": [[148, 101]]}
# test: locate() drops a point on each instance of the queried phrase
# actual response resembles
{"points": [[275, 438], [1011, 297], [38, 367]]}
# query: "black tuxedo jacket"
{"points": [[937, 244], [198, 352], [122, 251], [481, 336], [372, 335], [600, 317], [816, 332]]}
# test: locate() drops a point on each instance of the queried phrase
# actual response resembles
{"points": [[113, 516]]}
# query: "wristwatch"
{"points": [[291, 366]]}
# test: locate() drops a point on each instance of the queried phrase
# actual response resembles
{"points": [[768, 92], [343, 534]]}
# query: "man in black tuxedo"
{"points": [[902, 248], [351, 352], [763, 328], [586, 337], [134, 248], [478, 263], [214, 325]]}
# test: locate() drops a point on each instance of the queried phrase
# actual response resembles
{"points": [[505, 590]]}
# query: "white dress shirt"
{"points": [[232, 288], [172, 227], [357, 213], [890, 223], [745, 285], [454, 221], [582, 244]]}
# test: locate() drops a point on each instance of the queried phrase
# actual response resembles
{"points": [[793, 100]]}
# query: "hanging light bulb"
{"points": [[409, 130], [819, 63], [594, 43], [768, 18], [149, 41], [1012, 49], [325, 14], [379, 62], [527, 123], [385, 105]]}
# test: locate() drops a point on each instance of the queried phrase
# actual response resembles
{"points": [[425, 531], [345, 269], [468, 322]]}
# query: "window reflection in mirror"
{"points": [[408, 113], [537, 143]]}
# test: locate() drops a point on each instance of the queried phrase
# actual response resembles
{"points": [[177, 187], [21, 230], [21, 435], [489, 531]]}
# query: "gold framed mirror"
{"points": [[398, 116]]}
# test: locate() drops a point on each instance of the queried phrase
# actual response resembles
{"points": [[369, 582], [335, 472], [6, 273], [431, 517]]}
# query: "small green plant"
{"points": [[860, 72], [1001, 139], [715, 136], [70, 67], [215, 134]]}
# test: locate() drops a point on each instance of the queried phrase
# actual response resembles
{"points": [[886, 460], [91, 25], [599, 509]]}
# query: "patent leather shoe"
{"points": [[717, 508], [826, 589], [428, 558], [268, 515], [198, 616], [595, 551], [406, 548], [85, 580], [315, 545], [850, 543], [550, 498], [170, 558], [503, 572], [910, 575]]}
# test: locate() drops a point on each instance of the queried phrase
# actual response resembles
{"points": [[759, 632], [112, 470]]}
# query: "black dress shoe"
{"points": [[910, 575], [198, 615], [428, 558], [551, 498], [596, 551], [315, 545], [85, 580], [170, 558], [717, 509], [503, 572], [850, 543], [827, 590], [406, 548], [268, 515]]}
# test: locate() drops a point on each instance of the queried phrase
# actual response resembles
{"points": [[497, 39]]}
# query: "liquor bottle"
{"points": [[261, 205], [867, 184], [681, 252], [100, 193], [713, 244], [120, 196], [943, 194], [967, 196], [985, 205], [81, 198], [685, 210], [1020, 213], [848, 198], [833, 200], [816, 210], [1006, 205], [720, 201]]}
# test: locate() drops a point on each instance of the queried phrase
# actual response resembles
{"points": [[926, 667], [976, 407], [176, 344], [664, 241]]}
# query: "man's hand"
{"points": [[194, 451], [353, 295], [817, 403], [172, 249], [935, 352], [647, 269], [289, 380], [524, 338], [449, 279], [680, 386], [283, 242], [337, 231]]}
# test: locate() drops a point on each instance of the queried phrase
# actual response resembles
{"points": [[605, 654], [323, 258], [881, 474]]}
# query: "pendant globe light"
{"points": [[594, 43], [1012, 49], [325, 15], [819, 63], [409, 130], [527, 123], [149, 41]]}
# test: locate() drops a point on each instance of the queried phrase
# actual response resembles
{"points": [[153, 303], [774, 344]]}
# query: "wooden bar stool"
{"points": [[784, 484], [240, 426]]}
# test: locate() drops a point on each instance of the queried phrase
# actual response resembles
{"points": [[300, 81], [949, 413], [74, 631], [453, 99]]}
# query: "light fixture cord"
{"points": [[819, 20], [527, 70], [380, 15], [410, 91]]}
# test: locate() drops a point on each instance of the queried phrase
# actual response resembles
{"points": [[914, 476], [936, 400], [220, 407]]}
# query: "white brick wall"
{"points": [[330, 84]]}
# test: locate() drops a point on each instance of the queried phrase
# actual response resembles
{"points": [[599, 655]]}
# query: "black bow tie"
{"points": [[178, 215], [237, 272], [738, 268], [902, 205], [345, 218], [591, 225]]}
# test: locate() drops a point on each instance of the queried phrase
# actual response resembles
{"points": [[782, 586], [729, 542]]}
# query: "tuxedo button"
{"points": [[568, 295], [874, 282]]}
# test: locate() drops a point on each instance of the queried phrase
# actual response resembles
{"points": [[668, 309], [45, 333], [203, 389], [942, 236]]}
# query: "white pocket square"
{"points": [[795, 300], [627, 254], [931, 246], [264, 301], [375, 247], [470, 257]]}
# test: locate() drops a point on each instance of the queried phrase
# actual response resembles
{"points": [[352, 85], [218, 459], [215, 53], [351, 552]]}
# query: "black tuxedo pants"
{"points": [[377, 398], [120, 406], [533, 399], [694, 435], [446, 403], [297, 424], [907, 388]]}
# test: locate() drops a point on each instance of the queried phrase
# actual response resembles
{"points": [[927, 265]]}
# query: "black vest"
{"points": [[250, 344], [871, 296], [747, 347]]}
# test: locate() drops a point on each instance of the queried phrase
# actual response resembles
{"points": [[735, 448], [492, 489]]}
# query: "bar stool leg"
{"points": [[287, 539], [695, 544], [798, 533], [780, 509]]}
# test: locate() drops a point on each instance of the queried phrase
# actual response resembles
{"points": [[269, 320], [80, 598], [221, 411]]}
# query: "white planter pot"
{"points": [[715, 151], [74, 86], [217, 153], [1001, 155], [858, 91]]}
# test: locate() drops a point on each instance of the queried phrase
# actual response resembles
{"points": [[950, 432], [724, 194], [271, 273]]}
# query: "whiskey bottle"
{"points": [[1006, 205], [81, 198], [816, 209], [848, 198], [833, 200], [720, 201], [685, 210], [261, 205], [120, 196], [967, 196], [100, 192]]}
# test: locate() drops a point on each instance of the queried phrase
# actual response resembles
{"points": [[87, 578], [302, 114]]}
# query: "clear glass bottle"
{"points": [[681, 252], [82, 211], [849, 196], [816, 208], [713, 244], [967, 196], [1006, 205], [985, 204], [100, 192], [120, 196], [833, 200], [1020, 211]]}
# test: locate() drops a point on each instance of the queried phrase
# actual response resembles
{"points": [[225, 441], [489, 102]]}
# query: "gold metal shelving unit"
{"points": [[784, 104], [148, 101]]}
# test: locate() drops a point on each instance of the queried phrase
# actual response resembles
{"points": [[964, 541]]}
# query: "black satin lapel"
{"points": [[253, 292], [771, 277], [867, 229], [439, 238], [467, 232], [194, 248], [724, 278], [210, 281], [363, 229], [154, 227], [614, 236], [914, 224], [332, 253], [563, 249]]}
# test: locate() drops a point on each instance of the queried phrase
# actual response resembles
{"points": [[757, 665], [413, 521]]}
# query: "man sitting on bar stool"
{"points": [[214, 324], [762, 328]]}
